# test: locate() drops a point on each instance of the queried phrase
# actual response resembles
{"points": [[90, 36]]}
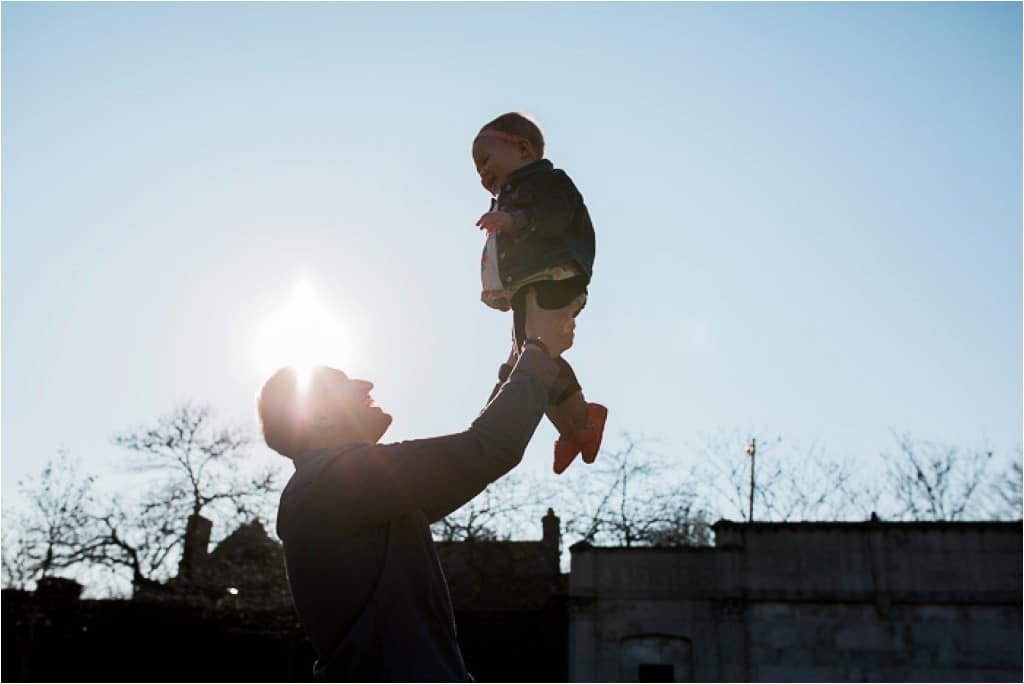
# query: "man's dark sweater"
{"points": [[355, 525]]}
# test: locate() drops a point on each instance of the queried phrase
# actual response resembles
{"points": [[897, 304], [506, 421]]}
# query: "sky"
{"points": [[808, 216]]}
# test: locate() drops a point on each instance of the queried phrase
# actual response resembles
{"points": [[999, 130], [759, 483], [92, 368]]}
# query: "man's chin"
{"points": [[385, 424]]}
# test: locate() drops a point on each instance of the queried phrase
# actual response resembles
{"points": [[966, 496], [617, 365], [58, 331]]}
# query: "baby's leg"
{"points": [[567, 409], [580, 425], [568, 416]]}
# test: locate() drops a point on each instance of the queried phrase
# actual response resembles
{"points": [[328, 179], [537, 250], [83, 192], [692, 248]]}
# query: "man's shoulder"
{"points": [[310, 465], [301, 493]]}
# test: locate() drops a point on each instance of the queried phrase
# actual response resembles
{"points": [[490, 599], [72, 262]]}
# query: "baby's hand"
{"points": [[497, 222]]}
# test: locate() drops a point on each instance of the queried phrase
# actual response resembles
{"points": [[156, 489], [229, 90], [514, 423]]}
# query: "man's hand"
{"points": [[497, 222], [554, 327]]}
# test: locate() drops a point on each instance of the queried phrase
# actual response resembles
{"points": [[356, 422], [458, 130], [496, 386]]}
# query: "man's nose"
{"points": [[363, 385]]}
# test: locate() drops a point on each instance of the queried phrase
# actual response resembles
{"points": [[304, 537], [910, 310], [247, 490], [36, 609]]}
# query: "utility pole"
{"points": [[752, 452]]}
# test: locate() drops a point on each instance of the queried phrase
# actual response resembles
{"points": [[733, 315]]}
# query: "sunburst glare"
{"points": [[302, 334]]}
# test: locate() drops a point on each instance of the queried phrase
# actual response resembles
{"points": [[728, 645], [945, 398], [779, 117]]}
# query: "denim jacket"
{"points": [[553, 224]]}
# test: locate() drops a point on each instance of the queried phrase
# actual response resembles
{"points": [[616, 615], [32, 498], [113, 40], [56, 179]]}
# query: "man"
{"points": [[355, 515]]}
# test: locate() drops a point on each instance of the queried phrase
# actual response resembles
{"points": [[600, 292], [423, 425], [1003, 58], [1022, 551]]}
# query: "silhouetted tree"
{"points": [[1005, 492], [50, 534], [623, 499], [498, 513], [789, 484], [192, 467], [140, 538], [930, 481], [627, 498], [198, 463]]}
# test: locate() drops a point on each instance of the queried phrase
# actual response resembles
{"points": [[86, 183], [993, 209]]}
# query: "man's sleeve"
{"points": [[503, 373], [438, 475]]}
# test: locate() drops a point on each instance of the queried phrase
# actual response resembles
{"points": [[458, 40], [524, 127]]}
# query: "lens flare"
{"points": [[302, 334]]}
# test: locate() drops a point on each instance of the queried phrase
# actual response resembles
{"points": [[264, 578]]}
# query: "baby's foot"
{"points": [[566, 450], [586, 439], [589, 438]]}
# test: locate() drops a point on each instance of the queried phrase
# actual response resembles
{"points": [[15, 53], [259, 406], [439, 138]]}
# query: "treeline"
{"points": [[633, 495]]}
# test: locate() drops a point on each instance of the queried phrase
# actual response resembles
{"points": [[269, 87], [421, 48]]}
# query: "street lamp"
{"points": [[752, 452]]}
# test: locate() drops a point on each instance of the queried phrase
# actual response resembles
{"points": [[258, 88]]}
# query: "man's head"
{"points": [[330, 410], [508, 143]]}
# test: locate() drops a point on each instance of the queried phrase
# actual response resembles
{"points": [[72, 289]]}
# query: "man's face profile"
{"points": [[344, 407]]}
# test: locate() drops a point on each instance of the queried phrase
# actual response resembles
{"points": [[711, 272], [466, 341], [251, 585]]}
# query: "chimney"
{"points": [[552, 532], [58, 595], [197, 538]]}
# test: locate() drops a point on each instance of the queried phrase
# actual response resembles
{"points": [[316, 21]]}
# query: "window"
{"points": [[647, 672], [655, 658]]}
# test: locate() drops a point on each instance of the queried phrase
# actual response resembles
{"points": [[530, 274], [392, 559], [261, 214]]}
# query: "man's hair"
{"points": [[515, 123], [279, 404]]}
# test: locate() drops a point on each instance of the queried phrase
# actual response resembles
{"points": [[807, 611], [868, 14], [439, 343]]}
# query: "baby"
{"points": [[539, 237]]}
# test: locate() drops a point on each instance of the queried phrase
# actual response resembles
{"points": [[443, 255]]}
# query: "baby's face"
{"points": [[495, 159]]}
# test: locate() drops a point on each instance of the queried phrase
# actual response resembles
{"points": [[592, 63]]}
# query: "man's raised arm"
{"points": [[438, 475]]}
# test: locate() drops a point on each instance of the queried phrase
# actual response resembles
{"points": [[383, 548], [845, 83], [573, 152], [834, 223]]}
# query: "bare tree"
{"points": [[629, 499], [498, 513], [682, 525], [624, 499], [789, 483], [50, 534], [199, 460], [193, 467], [199, 467], [1005, 492], [813, 486], [726, 473], [930, 481], [137, 539], [16, 571]]}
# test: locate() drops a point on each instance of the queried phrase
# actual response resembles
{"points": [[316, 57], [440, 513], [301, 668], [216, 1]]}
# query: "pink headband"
{"points": [[488, 133]]}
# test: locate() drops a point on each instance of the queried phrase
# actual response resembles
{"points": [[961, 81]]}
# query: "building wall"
{"points": [[510, 598], [853, 642], [804, 602]]}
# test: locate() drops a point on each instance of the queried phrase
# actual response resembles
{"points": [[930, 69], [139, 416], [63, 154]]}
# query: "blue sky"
{"points": [[808, 215]]}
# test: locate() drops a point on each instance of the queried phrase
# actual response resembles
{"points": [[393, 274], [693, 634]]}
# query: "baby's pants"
{"points": [[551, 294]]}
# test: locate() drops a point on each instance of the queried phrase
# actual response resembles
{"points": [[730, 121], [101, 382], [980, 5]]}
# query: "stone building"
{"points": [[868, 601], [871, 601], [505, 575], [245, 571], [509, 599]]}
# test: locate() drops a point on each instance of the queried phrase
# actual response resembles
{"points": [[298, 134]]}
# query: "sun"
{"points": [[302, 334]]}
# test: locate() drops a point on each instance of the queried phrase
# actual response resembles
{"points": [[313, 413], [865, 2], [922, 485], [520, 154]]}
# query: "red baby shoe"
{"points": [[589, 438], [565, 453]]}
